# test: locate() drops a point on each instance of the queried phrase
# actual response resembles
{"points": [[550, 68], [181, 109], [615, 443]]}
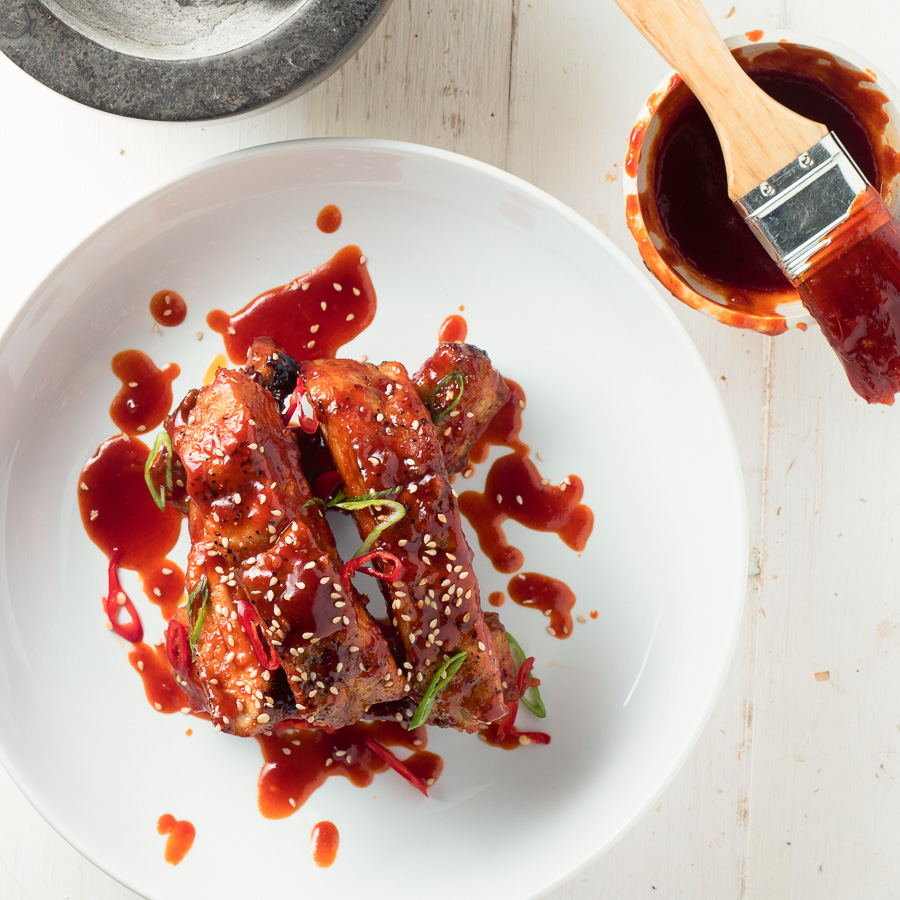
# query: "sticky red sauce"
{"points": [[312, 317], [754, 35], [180, 838], [594, 614], [329, 219], [288, 779], [551, 596], [163, 583], [453, 328], [802, 326], [145, 397], [687, 181], [118, 512], [514, 490], [852, 289], [497, 598], [168, 308], [160, 687], [324, 844], [503, 430]]}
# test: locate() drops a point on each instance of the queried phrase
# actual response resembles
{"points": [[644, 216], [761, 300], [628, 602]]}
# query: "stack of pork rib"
{"points": [[278, 630]]}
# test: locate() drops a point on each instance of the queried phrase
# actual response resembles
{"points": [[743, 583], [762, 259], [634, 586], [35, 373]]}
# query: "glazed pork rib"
{"points": [[271, 562], [381, 438], [457, 370]]}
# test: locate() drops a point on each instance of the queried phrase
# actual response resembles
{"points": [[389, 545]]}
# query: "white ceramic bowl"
{"points": [[616, 394]]}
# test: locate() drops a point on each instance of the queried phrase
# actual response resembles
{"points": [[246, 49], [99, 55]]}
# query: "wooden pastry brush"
{"points": [[802, 195]]}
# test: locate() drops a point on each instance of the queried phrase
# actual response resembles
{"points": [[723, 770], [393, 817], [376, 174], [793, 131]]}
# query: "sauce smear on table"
{"points": [[551, 596]]}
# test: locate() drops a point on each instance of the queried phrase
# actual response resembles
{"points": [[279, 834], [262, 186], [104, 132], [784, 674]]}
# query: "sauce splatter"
{"points": [[550, 595], [453, 328], [312, 317], [180, 838], [145, 397], [515, 490], [220, 361], [324, 844], [329, 219], [168, 308], [497, 598], [298, 761]]}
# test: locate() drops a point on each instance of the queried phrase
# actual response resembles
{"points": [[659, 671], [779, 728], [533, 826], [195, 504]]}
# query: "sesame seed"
{"points": [[142, 428], [140, 665], [313, 329], [132, 384], [262, 718], [94, 514], [199, 335], [307, 635], [166, 571], [519, 499], [481, 646], [158, 706], [230, 656], [231, 330], [336, 286], [413, 488], [350, 317], [157, 592], [499, 498]]}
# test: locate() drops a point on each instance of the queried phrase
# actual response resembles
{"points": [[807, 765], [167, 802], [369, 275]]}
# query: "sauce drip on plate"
{"points": [[453, 328], [312, 317], [297, 761], [324, 844], [551, 596], [145, 397], [180, 838], [329, 219], [168, 308]]}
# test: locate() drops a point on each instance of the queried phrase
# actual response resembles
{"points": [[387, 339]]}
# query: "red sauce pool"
{"points": [[297, 762], [514, 489], [550, 595], [168, 308], [324, 844], [118, 512], [145, 397], [312, 317], [453, 328], [329, 219], [497, 598], [180, 838], [687, 172]]}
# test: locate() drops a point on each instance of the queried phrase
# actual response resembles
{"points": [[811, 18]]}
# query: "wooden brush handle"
{"points": [[758, 135]]}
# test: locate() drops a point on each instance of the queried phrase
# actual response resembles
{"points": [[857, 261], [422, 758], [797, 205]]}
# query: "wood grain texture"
{"points": [[791, 790]]}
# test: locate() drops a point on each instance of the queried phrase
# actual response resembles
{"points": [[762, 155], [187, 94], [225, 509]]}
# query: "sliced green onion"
{"points": [[162, 440], [441, 679], [202, 589], [534, 704], [455, 377], [340, 497], [398, 511]]}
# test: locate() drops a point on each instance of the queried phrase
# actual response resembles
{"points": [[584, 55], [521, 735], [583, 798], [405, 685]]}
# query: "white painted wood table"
{"points": [[791, 790]]}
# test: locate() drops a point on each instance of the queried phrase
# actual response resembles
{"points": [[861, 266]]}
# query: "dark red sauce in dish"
{"points": [[145, 397], [324, 843], [312, 317], [329, 219], [180, 837], [168, 308]]}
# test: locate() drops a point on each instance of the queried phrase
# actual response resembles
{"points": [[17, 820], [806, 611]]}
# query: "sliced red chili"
{"points": [[507, 725], [306, 417], [352, 566], [397, 765], [259, 637], [177, 649], [116, 601]]}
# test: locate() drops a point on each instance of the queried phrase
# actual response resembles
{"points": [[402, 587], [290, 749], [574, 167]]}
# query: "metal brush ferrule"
{"points": [[794, 212]]}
